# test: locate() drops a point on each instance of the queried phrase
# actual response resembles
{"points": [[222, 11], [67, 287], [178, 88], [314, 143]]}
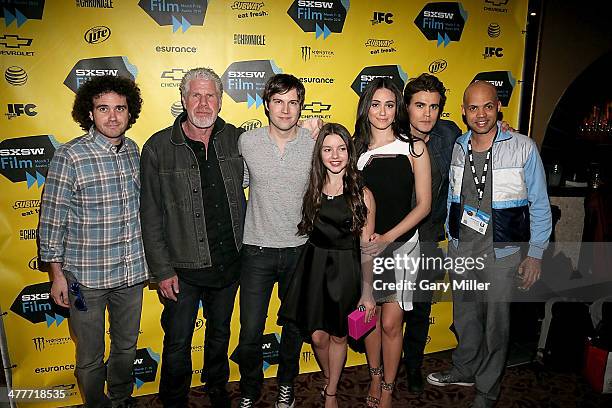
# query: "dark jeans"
{"points": [[417, 319], [261, 267], [178, 321], [124, 307]]}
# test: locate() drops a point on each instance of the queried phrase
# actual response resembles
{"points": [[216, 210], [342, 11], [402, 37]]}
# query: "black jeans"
{"points": [[417, 319], [178, 321], [261, 268]]}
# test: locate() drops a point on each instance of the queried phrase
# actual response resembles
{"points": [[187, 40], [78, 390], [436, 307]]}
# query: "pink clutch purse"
{"points": [[357, 326]]}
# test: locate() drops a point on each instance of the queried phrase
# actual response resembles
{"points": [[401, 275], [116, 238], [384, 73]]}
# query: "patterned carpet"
{"points": [[525, 386]]}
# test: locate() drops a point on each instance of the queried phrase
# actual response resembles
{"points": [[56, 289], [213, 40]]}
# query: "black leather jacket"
{"points": [[171, 205]]}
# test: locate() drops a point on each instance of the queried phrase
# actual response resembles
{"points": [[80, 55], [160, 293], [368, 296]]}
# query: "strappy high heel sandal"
{"points": [[373, 402], [387, 386]]}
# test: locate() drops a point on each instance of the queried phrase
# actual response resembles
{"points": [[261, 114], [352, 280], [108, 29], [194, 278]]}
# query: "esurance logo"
{"points": [[88, 68], [20, 11], [368, 74], [97, 34], [27, 158], [437, 66], [34, 304], [16, 76], [244, 81], [319, 17], [442, 22], [503, 82], [145, 366], [180, 14]]}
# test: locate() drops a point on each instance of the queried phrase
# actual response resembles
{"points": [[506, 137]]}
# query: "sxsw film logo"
{"points": [[319, 17], [496, 6], [180, 14], [308, 52], [34, 304], [249, 9], [251, 124], [244, 81], [368, 74], [380, 46], [442, 22], [494, 30], [97, 34], [16, 76], [172, 78], [493, 52], [382, 17], [14, 110], [503, 82], [317, 109], [20, 11], [145, 366], [27, 158], [88, 68], [437, 66]]}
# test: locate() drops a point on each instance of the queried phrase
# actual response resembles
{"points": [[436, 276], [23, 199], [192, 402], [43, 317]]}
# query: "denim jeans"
{"points": [[178, 321], [87, 327], [261, 268]]}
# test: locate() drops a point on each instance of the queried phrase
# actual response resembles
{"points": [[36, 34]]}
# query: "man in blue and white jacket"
{"points": [[497, 199]]}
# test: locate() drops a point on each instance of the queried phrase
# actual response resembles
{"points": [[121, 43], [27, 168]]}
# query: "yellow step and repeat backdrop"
{"points": [[49, 48]]}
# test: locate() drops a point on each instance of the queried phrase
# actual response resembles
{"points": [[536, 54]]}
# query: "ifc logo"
{"points": [[494, 30], [16, 76]]}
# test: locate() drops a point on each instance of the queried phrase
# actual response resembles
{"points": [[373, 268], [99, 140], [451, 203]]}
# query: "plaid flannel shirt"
{"points": [[90, 220]]}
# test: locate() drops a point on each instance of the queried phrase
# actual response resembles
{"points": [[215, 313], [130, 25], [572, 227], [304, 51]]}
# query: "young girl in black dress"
{"points": [[328, 283]]}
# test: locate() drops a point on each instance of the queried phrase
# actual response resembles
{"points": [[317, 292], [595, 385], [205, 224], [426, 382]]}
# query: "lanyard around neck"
{"points": [[480, 184]]}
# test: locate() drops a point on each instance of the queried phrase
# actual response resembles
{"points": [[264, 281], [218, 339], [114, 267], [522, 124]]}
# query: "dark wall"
{"points": [[574, 34]]}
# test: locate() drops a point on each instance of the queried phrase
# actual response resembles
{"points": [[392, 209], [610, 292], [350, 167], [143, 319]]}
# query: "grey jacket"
{"points": [[171, 205]]}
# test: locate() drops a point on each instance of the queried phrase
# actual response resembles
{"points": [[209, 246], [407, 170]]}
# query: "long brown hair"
{"points": [[352, 184], [400, 126]]}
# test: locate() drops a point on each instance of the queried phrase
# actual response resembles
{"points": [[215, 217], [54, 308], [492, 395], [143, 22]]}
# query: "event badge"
{"points": [[475, 219]]}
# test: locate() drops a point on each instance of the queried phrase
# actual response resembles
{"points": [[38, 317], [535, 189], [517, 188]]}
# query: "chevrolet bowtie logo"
{"points": [[14, 41], [316, 107], [176, 74]]}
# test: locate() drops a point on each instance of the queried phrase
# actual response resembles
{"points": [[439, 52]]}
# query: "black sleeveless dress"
{"points": [[326, 285]]}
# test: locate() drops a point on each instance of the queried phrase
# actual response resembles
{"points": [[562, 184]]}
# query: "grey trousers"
{"points": [[87, 328], [482, 324]]}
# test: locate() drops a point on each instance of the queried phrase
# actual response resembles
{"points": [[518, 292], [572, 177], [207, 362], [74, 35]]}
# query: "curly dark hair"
{"points": [[353, 184], [425, 82], [99, 85]]}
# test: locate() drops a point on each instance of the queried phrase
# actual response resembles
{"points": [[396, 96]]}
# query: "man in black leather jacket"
{"points": [[192, 211]]}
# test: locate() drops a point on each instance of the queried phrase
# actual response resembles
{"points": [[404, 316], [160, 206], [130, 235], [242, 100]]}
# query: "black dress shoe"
{"points": [[415, 380], [219, 398]]}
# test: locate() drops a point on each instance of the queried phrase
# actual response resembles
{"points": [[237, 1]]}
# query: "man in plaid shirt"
{"points": [[90, 235]]}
